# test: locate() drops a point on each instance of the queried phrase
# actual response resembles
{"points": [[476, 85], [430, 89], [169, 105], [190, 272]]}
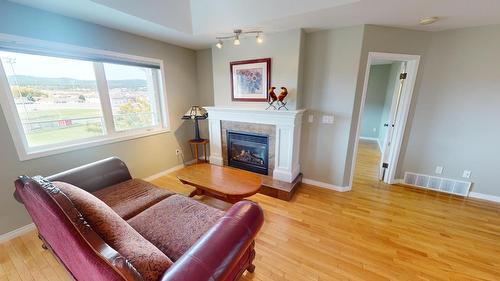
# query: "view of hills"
{"points": [[68, 83]]}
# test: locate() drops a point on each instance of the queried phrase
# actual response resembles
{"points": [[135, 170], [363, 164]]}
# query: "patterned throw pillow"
{"points": [[144, 256]]}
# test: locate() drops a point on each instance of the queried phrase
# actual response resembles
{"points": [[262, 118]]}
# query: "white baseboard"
{"points": [[398, 181], [483, 196], [16, 232], [368, 138], [168, 171], [216, 160], [373, 139], [326, 185]]}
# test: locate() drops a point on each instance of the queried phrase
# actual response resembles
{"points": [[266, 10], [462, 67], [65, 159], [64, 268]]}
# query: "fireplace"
{"points": [[283, 129], [248, 151]]}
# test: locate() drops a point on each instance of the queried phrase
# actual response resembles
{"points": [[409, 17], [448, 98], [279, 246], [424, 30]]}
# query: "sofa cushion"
{"points": [[144, 256], [175, 224], [131, 197]]}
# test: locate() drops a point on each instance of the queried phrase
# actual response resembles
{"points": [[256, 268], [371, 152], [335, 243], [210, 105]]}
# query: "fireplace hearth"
{"points": [[248, 151]]}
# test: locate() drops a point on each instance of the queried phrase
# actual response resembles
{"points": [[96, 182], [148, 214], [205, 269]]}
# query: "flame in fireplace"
{"points": [[248, 157]]}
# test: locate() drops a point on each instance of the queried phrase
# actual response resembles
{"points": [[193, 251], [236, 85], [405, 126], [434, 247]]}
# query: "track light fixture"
{"points": [[237, 34]]}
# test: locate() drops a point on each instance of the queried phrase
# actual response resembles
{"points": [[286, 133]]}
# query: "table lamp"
{"points": [[196, 113]]}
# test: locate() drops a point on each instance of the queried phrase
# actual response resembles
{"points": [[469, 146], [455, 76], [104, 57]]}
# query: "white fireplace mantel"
{"points": [[288, 125]]}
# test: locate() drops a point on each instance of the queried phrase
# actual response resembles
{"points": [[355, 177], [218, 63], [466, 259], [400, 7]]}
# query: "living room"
{"points": [[322, 198]]}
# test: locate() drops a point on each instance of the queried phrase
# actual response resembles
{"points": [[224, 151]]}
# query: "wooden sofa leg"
{"points": [[251, 266], [43, 242]]}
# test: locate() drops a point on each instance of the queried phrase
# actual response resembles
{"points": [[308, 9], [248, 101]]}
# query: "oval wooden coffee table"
{"points": [[224, 183]]}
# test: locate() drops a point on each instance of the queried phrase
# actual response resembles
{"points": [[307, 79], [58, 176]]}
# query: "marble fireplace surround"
{"points": [[283, 128]]}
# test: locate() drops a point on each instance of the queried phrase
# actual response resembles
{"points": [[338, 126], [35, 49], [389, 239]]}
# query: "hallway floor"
{"points": [[367, 162]]}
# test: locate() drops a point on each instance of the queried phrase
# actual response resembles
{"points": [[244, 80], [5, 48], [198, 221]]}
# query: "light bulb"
{"points": [[219, 44], [236, 41], [428, 20], [260, 39]]}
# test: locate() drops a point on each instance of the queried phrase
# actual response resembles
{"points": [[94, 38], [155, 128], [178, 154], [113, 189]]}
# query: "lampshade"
{"points": [[196, 112]]}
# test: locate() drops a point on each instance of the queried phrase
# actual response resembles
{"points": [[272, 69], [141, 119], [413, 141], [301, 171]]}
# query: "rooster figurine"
{"points": [[281, 98], [272, 98]]}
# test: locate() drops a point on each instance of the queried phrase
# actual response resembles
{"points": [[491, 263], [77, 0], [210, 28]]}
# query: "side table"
{"points": [[196, 142]]}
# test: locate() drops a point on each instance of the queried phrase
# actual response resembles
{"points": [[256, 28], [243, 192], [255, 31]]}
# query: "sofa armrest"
{"points": [[96, 175], [217, 252]]}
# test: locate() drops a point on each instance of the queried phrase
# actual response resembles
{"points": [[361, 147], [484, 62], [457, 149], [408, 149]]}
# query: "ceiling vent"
{"points": [[438, 184]]}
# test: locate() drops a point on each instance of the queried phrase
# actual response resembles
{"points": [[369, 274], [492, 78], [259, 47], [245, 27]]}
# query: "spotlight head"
{"points": [[428, 20], [259, 38]]}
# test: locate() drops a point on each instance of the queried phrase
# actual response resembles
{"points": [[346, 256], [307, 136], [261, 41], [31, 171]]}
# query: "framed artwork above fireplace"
{"points": [[250, 80]]}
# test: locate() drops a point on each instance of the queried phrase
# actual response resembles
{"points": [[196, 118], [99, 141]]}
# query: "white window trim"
{"points": [[14, 123]]}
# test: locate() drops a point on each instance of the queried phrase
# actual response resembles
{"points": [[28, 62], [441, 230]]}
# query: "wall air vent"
{"points": [[438, 184]]}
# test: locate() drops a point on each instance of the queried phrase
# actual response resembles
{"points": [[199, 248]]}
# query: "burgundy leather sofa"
{"points": [[103, 225]]}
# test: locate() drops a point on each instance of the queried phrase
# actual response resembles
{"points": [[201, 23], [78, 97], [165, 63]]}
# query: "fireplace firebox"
{"points": [[248, 151]]}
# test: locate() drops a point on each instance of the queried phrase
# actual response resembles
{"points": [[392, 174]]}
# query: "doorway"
{"points": [[385, 103]]}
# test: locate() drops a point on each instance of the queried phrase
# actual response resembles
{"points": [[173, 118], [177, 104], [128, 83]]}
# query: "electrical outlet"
{"points": [[466, 174], [327, 119], [178, 152], [439, 170], [310, 119]]}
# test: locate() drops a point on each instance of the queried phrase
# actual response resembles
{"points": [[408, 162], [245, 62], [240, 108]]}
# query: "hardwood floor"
{"points": [[374, 232]]}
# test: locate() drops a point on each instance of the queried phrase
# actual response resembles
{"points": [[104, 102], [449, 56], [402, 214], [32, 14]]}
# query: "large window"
{"points": [[132, 91], [57, 102]]}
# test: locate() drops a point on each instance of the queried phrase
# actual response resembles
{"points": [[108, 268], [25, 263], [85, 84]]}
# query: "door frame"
{"points": [[402, 118]]}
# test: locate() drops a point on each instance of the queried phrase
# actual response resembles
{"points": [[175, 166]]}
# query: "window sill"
{"points": [[23, 156]]}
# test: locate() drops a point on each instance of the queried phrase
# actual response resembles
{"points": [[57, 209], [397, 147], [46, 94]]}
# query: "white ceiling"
{"points": [[195, 23]]}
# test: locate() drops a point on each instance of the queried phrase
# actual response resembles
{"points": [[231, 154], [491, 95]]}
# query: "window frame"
{"points": [[111, 135]]}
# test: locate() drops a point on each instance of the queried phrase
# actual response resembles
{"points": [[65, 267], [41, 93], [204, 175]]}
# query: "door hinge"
{"points": [[384, 168], [402, 76]]}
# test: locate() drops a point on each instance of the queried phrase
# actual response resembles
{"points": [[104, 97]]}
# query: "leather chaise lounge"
{"points": [[103, 225]]}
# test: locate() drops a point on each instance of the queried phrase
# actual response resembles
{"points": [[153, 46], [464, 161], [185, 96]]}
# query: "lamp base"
{"points": [[196, 130]]}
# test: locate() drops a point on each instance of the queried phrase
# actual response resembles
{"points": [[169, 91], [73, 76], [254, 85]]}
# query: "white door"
{"points": [[391, 124]]}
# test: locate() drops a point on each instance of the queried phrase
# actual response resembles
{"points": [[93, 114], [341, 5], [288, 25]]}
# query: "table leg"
{"points": [[205, 151], [196, 153], [193, 193], [196, 192]]}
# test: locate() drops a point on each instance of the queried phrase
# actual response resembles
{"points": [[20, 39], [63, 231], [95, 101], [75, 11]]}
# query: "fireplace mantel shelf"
{"points": [[250, 110], [288, 126]]}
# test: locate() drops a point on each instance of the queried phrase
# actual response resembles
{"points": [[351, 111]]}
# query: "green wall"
{"points": [[375, 100]]}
